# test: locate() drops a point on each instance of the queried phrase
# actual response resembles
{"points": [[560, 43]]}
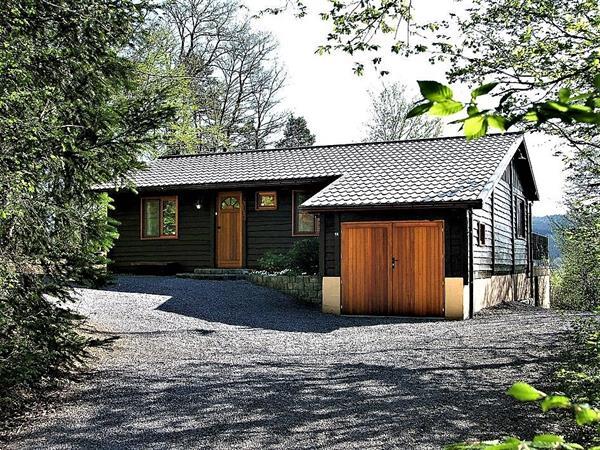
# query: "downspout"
{"points": [[471, 272]]}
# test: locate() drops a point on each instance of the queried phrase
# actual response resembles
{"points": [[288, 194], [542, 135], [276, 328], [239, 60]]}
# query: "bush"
{"points": [[274, 262], [303, 257]]}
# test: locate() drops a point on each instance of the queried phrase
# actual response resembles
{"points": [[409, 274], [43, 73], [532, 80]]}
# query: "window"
{"points": [[229, 203], [304, 223], [159, 218], [521, 217], [266, 201], [480, 233]]}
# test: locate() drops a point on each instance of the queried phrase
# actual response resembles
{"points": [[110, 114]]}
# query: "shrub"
{"points": [[274, 262], [304, 256]]}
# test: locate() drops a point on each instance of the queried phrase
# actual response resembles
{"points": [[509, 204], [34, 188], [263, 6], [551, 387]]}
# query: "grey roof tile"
{"points": [[380, 173]]}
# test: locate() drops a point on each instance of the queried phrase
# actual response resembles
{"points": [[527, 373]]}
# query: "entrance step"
{"points": [[216, 274], [211, 271]]}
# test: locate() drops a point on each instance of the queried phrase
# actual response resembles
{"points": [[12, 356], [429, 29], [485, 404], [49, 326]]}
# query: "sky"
{"points": [[335, 101]]}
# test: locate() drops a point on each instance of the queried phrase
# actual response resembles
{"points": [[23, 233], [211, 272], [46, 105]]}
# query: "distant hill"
{"points": [[544, 225]]}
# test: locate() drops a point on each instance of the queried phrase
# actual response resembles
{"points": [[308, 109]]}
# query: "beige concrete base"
{"points": [[332, 295], [486, 292], [500, 288], [456, 308], [543, 286]]}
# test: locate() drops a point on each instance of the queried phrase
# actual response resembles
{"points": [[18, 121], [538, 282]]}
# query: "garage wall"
{"points": [[455, 229]]}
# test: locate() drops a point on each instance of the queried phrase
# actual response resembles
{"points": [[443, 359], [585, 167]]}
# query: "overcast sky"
{"points": [[335, 102]]}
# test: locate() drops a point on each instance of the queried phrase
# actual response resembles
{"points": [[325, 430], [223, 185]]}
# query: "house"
{"points": [[431, 227]]}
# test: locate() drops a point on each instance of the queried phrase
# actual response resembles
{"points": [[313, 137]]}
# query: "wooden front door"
{"points": [[230, 229], [393, 268]]}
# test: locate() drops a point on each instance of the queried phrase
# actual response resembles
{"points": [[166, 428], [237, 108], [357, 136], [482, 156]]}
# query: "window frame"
{"points": [[161, 199], [317, 221], [481, 238], [257, 205], [520, 218]]}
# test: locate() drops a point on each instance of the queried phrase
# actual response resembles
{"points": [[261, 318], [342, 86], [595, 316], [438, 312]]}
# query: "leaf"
{"points": [[585, 414], [498, 122], [557, 106], [548, 439], [446, 108], [419, 110], [434, 91], [564, 94], [555, 401], [475, 127], [524, 392], [597, 81], [483, 89], [531, 116]]}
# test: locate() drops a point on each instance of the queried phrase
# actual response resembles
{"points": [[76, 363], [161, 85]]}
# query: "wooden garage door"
{"points": [[366, 270], [393, 268]]}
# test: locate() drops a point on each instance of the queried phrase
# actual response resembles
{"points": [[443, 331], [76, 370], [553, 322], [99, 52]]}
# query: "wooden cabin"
{"points": [[431, 227]]}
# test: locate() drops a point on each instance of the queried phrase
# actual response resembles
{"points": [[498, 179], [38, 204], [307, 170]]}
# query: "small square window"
{"points": [[266, 201], [481, 233]]}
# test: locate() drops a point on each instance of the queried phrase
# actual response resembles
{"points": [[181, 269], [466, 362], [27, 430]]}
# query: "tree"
{"points": [[388, 121], [577, 281], [74, 114], [539, 57], [232, 71], [296, 133]]}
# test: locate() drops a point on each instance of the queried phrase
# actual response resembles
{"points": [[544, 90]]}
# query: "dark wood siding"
{"points": [[264, 230], [454, 231], [482, 254], [192, 249], [270, 230], [504, 252]]}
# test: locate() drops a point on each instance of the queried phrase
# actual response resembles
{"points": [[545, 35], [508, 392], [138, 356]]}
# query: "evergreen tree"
{"points": [[74, 113], [296, 133]]}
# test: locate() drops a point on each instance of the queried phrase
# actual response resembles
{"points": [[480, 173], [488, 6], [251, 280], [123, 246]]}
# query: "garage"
{"points": [[393, 268]]}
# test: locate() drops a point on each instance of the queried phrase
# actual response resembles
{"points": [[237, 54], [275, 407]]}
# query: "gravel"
{"points": [[226, 364]]}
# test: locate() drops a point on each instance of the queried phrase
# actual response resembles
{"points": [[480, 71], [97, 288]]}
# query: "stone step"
{"points": [[212, 276], [212, 271]]}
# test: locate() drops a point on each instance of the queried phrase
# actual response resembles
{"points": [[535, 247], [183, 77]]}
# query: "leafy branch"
{"points": [[438, 100], [583, 413]]}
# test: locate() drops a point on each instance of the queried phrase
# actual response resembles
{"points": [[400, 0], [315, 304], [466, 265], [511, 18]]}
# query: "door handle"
{"points": [[393, 262]]}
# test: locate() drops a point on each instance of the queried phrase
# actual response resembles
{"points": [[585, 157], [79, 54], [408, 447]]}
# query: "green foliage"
{"points": [[296, 133], [74, 114], [274, 262], [583, 414], [302, 258], [538, 60], [579, 376]]}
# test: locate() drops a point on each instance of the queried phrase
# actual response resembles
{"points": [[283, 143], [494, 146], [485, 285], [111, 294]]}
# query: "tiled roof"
{"points": [[379, 173]]}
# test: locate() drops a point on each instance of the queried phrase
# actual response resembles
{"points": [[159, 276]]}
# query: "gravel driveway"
{"points": [[212, 364]]}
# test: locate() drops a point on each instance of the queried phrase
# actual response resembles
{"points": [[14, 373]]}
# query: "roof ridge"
{"points": [[264, 150]]}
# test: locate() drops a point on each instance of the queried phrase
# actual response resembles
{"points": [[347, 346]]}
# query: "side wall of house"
{"points": [[503, 251], [195, 246], [502, 265]]}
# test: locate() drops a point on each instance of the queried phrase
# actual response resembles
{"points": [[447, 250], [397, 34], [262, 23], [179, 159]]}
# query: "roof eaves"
{"points": [[477, 203]]}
